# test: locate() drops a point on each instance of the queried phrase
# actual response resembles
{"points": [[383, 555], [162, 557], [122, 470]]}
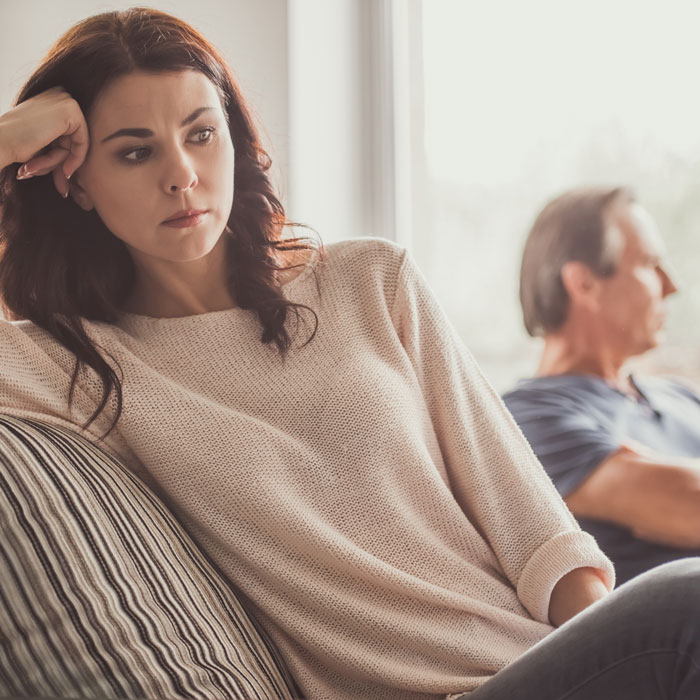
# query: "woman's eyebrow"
{"points": [[146, 133]]}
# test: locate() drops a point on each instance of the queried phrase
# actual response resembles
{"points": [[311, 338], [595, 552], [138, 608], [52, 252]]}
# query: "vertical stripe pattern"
{"points": [[102, 593]]}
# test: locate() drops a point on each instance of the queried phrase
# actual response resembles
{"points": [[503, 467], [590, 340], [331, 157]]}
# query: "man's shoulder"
{"points": [[567, 398], [561, 394], [669, 387], [555, 389]]}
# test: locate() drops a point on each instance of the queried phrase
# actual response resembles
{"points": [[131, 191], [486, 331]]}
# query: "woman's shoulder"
{"points": [[23, 329], [13, 332], [24, 344], [364, 257], [365, 270], [31, 361], [365, 247]]}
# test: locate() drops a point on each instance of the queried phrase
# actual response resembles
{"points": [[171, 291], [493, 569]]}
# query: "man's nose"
{"points": [[668, 286]]}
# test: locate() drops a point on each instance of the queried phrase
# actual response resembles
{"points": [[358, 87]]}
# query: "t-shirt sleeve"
{"points": [[568, 440], [492, 472]]}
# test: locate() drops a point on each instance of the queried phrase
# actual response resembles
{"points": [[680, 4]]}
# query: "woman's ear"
{"points": [[79, 195]]}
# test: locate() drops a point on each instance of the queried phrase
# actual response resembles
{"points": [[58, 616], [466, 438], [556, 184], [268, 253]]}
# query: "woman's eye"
{"points": [[204, 135], [136, 155]]}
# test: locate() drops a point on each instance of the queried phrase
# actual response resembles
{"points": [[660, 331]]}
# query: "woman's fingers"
{"points": [[43, 163], [77, 142], [48, 163], [52, 113], [60, 182], [44, 132]]}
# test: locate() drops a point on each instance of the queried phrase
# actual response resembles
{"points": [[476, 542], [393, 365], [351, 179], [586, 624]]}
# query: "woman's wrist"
{"points": [[573, 593]]}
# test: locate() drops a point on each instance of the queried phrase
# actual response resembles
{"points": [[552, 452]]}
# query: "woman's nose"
{"points": [[180, 174]]}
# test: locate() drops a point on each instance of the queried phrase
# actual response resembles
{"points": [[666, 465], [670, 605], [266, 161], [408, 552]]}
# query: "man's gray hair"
{"points": [[571, 227]]}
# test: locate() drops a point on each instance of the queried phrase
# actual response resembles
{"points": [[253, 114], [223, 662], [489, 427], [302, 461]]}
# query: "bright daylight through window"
{"points": [[524, 100]]}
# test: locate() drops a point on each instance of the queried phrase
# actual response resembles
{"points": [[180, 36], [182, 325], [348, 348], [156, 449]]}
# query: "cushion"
{"points": [[103, 594]]}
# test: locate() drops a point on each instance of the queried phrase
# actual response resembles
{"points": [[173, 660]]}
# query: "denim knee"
{"points": [[681, 577], [668, 596]]}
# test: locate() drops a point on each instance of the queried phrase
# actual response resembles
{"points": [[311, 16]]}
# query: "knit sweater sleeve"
{"points": [[492, 472]]}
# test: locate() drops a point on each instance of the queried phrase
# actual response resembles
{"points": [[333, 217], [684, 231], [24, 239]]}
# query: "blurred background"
{"points": [[446, 125]]}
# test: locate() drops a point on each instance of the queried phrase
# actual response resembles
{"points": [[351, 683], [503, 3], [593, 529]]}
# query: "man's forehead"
{"points": [[638, 229]]}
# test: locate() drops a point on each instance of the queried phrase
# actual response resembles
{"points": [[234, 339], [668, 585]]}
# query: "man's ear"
{"points": [[79, 195], [581, 284]]}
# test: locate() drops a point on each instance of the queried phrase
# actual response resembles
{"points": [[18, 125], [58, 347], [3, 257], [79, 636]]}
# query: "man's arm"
{"points": [[657, 498]]}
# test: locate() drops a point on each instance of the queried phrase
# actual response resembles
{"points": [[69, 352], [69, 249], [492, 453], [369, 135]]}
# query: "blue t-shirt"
{"points": [[573, 422]]}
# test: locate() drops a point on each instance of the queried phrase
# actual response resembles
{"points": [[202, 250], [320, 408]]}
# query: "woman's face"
{"points": [[159, 147]]}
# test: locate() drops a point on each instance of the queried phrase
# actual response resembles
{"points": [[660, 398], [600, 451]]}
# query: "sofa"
{"points": [[103, 594]]}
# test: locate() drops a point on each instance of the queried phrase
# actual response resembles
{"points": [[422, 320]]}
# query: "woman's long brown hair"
{"points": [[60, 264]]}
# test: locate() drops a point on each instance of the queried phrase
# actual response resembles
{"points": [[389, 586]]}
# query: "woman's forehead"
{"points": [[138, 99]]}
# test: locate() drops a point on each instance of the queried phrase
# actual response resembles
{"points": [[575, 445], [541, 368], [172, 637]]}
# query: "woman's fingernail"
{"points": [[23, 173]]}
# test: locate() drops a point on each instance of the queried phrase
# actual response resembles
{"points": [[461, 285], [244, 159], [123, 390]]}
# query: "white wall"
{"points": [[343, 116], [329, 148], [251, 34]]}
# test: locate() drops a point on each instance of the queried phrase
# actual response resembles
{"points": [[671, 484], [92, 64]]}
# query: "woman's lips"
{"points": [[187, 220]]}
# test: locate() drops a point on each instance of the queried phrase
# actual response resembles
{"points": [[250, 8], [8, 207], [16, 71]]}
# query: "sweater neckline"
{"points": [[127, 319]]}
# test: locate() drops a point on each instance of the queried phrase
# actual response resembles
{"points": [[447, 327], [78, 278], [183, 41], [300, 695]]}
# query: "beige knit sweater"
{"points": [[369, 494]]}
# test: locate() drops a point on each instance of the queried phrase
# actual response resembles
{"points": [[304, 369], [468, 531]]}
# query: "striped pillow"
{"points": [[102, 594]]}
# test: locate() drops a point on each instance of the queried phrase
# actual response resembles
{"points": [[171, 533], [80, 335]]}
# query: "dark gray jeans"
{"points": [[642, 642]]}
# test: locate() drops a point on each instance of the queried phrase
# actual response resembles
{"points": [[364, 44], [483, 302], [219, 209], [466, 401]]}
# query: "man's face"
{"points": [[632, 301]]}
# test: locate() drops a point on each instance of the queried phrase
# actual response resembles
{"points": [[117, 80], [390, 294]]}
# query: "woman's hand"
{"points": [[47, 134]]}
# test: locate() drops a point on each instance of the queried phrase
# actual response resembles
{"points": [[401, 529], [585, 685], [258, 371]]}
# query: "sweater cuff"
{"points": [[556, 558]]}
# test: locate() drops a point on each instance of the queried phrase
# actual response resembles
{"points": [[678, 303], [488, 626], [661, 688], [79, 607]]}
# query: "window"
{"points": [[524, 100]]}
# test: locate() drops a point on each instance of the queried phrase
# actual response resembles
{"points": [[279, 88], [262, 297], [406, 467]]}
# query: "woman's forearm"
{"points": [[573, 593]]}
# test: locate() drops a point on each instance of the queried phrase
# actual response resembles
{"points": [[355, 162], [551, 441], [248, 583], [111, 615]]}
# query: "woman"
{"points": [[312, 419]]}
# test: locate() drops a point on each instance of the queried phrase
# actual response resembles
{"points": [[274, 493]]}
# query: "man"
{"points": [[622, 450]]}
